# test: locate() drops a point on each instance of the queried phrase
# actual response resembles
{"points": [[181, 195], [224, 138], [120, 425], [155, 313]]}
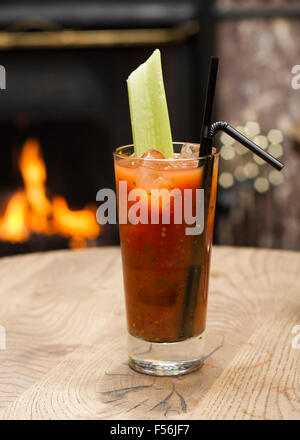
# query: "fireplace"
{"points": [[32, 218], [66, 106]]}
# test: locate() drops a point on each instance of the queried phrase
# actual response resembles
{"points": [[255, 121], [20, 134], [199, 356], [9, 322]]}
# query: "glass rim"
{"points": [[116, 153]]}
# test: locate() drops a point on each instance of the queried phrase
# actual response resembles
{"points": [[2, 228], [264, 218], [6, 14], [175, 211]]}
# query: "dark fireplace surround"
{"points": [[73, 97]]}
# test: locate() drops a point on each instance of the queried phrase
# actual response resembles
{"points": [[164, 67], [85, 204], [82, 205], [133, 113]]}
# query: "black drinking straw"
{"points": [[198, 270], [197, 267], [206, 137], [235, 134], [209, 129]]}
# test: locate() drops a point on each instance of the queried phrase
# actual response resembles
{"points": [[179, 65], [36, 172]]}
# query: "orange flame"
{"points": [[31, 210], [34, 175], [78, 224], [13, 223]]}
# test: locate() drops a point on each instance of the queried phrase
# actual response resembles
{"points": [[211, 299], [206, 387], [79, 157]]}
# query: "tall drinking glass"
{"points": [[166, 259]]}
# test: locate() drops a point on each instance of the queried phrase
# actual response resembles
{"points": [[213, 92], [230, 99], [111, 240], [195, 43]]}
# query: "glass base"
{"points": [[166, 358]]}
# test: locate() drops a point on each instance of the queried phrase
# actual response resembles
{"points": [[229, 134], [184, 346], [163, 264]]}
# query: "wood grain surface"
{"points": [[66, 355]]}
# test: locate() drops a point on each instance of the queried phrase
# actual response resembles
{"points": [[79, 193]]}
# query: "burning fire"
{"points": [[76, 224], [31, 211], [34, 175], [13, 223]]}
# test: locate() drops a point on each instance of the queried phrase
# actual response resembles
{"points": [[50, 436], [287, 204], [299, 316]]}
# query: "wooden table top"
{"points": [[66, 358]]}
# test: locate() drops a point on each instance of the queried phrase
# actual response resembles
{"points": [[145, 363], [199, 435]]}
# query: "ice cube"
{"points": [[153, 154], [158, 161], [150, 178], [188, 151], [150, 174]]}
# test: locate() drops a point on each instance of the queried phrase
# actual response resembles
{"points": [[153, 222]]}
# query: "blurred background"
{"points": [[65, 109]]}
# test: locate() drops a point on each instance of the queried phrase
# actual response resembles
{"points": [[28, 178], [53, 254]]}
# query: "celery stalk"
{"points": [[148, 108]]}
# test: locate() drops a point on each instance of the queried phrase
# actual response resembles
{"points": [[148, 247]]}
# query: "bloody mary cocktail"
{"points": [[166, 271]]}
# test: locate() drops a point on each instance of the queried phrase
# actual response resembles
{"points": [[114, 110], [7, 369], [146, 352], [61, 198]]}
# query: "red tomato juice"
{"points": [[157, 258]]}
